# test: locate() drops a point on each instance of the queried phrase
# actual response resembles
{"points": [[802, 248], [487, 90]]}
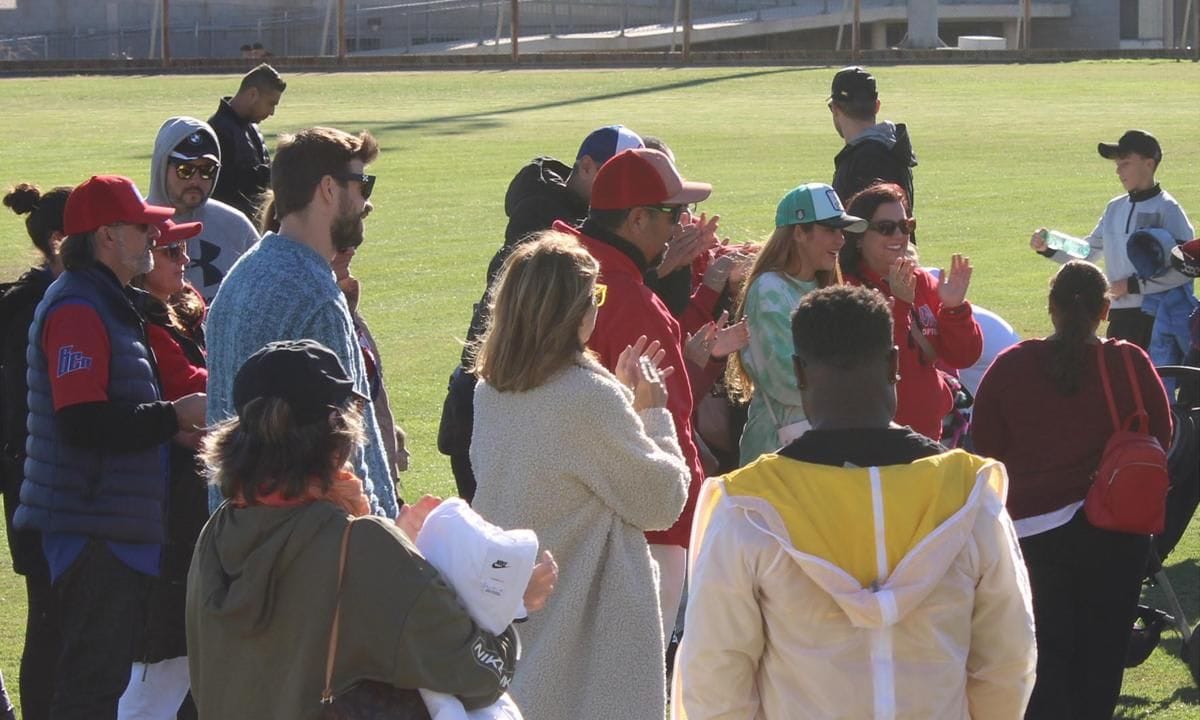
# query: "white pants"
{"points": [[155, 691], [672, 570]]}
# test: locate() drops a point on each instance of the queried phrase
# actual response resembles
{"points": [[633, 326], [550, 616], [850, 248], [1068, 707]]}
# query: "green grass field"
{"points": [[1003, 150]]}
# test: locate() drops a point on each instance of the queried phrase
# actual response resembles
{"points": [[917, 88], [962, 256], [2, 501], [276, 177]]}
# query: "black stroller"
{"points": [[1183, 465]]}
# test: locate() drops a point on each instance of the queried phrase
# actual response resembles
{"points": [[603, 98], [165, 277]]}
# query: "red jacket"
{"points": [[923, 398], [630, 310]]}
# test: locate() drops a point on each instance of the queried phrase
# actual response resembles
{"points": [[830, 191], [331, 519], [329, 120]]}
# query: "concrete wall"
{"points": [[1094, 24]]}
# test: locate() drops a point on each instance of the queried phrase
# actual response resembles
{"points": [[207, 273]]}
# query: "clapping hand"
{"points": [[715, 340], [902, 278], [647, 392], [952, 287]]}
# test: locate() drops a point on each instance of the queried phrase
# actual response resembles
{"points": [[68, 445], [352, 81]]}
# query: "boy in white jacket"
{"points": [[1144, 206]]}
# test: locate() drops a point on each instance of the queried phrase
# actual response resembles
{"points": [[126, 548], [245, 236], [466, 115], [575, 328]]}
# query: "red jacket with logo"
{"points": [[631, 309], [923, 398]]}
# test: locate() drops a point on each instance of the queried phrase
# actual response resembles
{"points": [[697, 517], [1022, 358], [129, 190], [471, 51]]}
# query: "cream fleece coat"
{"points": [[572, 461]]}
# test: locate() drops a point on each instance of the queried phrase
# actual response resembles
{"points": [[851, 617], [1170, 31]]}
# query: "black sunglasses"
{"points": [[889, 227], [207, 171], [675, 211], [173, 251], [367, 181]]}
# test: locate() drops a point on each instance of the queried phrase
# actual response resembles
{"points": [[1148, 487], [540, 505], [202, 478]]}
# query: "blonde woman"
{"points": [[800, 256], [589, 461]]}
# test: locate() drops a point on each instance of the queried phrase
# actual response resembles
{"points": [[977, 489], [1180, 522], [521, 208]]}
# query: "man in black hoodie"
{"points": [[874, 150], [543, 191]]}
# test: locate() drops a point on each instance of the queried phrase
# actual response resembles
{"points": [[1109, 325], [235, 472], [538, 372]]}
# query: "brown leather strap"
{"points": [[327, 693]]}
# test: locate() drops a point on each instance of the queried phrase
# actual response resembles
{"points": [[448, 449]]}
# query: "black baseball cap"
{"points": [[304, 373], [853, 84], [1133, 141], [196, 146]]}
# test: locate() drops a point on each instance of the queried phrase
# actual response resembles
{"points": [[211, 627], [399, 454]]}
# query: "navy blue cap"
{"points": [[607, 141]]}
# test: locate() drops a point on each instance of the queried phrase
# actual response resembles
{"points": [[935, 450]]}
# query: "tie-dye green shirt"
{"points": [[770, 302]]}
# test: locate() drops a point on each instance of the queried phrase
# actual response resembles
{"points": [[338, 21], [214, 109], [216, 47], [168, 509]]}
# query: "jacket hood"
{"points": [[892, 135], [24, 291], [172, 132], [542, 176], [247, 549], [881, 564]]}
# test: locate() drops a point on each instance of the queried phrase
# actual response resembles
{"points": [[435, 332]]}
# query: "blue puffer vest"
{"points": [[117, 496]]}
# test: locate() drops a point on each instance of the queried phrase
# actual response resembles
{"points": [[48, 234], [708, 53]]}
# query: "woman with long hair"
{"points": [[933, 320], [174, 313], [589, 461], [799, 257], [1042, 410], [294, 545], [43, 213]]}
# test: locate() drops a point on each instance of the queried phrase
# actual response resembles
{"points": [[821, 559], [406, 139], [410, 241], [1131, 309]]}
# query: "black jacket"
{"points": [[245, 161], [883, 152], [18, 300], [536, 197], [164, 634]]}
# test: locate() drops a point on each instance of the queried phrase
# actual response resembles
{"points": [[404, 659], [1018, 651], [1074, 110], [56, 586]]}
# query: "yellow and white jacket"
{"points": [[827, 592]]}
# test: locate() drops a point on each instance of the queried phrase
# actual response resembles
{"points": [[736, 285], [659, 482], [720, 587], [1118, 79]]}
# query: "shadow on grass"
{"points": [[484, 119], [1133, 707]]}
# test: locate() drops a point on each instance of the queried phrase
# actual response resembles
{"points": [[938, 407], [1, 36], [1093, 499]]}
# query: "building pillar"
{"points": [[878, 39]]}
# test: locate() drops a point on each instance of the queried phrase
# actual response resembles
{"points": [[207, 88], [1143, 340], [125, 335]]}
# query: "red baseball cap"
{"points": [[108, 199], [642, 177], [1186, 258], [171, 232]]}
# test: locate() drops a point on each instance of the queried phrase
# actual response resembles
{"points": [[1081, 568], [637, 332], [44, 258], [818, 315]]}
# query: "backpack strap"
{"points": [[1108, 393], [327, 693], [1139, 421]]}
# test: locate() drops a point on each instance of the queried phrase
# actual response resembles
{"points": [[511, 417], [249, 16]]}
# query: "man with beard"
{"points": [[637, 200], [96, 472], [185, 167], [247, 163], [284, 288]]}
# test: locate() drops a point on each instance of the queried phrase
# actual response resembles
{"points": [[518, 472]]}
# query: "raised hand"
{"points": [[697, 349], [902, 277], [730, 339], [952, 288]]}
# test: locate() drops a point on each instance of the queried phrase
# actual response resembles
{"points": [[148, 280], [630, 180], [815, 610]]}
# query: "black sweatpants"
{"points": [[1086, 583]]}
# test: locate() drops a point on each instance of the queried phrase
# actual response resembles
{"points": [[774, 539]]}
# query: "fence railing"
{"points": [[216, 29]]}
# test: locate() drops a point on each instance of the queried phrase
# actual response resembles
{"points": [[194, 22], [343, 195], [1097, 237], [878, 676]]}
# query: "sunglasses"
{"points": [[367, 181], [890, 227], [186, 172], [174, 251], [599, 294], [675, 211]]}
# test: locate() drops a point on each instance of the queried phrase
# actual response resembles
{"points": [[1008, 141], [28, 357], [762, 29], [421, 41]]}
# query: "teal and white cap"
{"points": [[816, 203]]}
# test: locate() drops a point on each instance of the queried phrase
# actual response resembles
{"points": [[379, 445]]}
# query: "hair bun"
{"points": [[23, 199]]}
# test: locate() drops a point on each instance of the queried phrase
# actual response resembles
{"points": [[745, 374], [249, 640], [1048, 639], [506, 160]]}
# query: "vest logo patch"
{"points": [[69, 360]]}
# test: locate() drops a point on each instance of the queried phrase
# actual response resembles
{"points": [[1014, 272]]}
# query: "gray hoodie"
{"points": [[226, 234]]}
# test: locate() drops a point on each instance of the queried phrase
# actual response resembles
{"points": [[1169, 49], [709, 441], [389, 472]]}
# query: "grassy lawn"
{"points": [[1003, 150]]}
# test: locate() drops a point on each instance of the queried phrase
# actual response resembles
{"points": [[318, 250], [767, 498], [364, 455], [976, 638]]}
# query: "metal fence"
{"points": [[220, 28]]}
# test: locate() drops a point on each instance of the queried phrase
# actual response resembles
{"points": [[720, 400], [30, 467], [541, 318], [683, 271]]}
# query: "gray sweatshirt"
{"points": [[226, 234]]}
